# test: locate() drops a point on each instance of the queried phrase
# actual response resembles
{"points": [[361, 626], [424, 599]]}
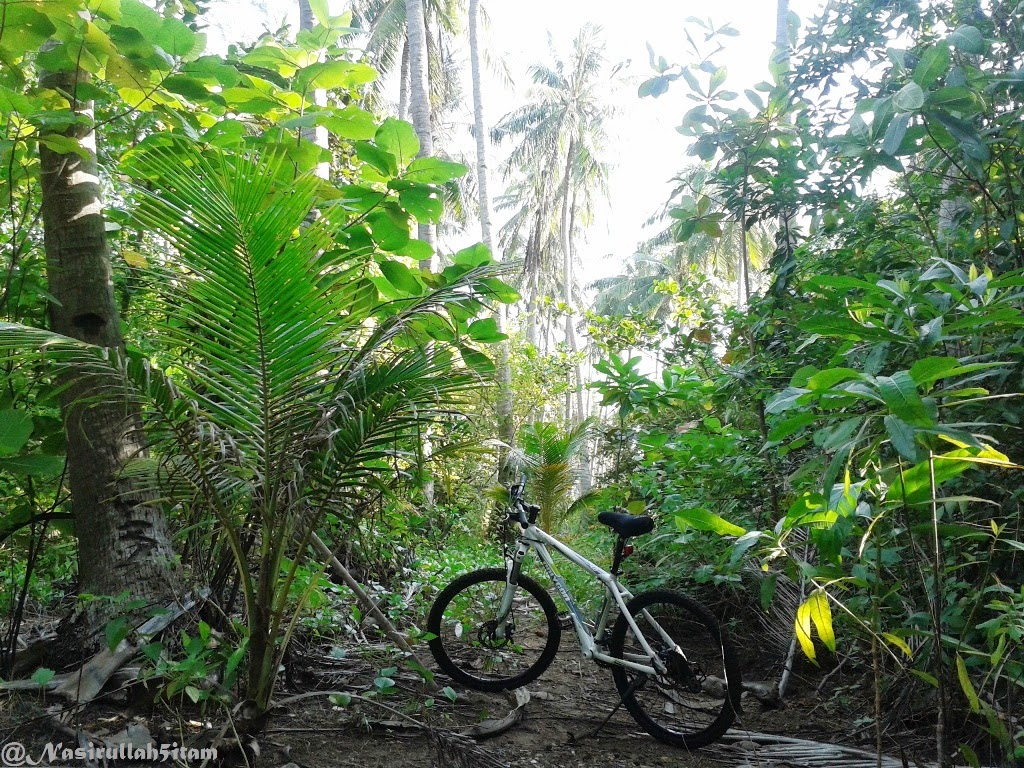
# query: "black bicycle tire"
{"points": [[731, 703], [454, 671]]}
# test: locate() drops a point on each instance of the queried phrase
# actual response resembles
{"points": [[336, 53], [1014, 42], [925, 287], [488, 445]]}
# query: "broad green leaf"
{"points": [[473, 256], [703, 520], [960, 99], [810, 506], [388, 229], [320, 11], [915, 482], [933, 65], [485, 330], [423, 202], [899, 393], [377, 158], [790, 426], [401, 277], [329, 75], [42, 676], [967, 39], [495, 289], [115, 631], [431, 170], [399, 139], [15, 430], [177, 39], [32, 464], [250, 100], [909, 98], [894, 134], [785, 400], [767, 591], [931, 369], [901, 435], [477, 361], [25, 29], [351, 122], [419, 250], [225, 133], [969, 755], [831, 376]]}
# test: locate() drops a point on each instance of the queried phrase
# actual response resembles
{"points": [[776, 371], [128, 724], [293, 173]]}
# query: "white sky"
{"points": [[646, 149]]}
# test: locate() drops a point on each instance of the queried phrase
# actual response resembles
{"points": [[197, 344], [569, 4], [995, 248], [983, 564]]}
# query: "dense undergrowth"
{"points": [[810, 377]]}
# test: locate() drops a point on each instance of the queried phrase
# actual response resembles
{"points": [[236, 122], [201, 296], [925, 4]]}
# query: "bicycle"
{"points": [[674, 668]]}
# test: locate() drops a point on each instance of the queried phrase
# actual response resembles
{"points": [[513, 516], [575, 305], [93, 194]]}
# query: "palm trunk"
{"points": [[419, 98], [506, 424], [567, 266], [585, 474], [403, 83], [317, 134], [124, 545], [782, 30]]}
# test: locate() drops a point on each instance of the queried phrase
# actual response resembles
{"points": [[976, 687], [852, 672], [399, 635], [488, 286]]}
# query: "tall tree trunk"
{"points": [[403, 83], [124, 545], [506, 424], [419, 97], [585, 473], [316, 134], [567, 266], [782, 30]]}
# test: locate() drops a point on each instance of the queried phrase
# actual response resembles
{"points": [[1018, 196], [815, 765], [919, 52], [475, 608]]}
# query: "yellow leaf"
{"points": [[134, 259], [899, 642], [967, 685], [803, 630], [821, 615]]}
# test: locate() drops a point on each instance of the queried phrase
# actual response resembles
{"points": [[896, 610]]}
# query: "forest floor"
{"points": [[567, 705]]}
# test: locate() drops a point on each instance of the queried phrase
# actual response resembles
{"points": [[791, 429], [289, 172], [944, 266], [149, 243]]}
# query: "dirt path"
{"points": [[567, 705]]}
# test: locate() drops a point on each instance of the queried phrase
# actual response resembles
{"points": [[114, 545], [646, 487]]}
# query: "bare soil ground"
{"points": [[567, 705]]}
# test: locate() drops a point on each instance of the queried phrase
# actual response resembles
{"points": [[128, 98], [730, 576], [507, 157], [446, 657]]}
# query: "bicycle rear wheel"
{"points": [[472, 647], [697, 699]]}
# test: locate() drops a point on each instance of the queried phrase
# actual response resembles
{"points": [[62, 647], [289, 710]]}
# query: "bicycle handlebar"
{"points": [[524, 514]]}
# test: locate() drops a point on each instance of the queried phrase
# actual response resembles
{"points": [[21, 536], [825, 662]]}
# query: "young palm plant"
{"points": [[293, 384], [549, 454]]}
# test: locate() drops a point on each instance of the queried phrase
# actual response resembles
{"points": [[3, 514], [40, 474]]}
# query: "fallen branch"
{"points": [[368, 604], [453, 749], [83, 684]]}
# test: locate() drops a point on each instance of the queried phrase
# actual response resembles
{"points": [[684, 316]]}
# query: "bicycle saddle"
{"points": [[626, 525]]}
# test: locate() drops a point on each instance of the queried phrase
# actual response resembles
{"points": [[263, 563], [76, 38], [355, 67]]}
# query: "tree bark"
{"points": [[506, 423], [419, 98], [567, 267], [403, 83], [782, 30], [316, 134], [124, 545]]}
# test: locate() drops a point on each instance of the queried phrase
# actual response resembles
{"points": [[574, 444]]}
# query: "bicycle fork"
{"points": [[513, 568]]}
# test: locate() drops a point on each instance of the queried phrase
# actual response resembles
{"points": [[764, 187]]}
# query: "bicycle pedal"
{"points": [[564, 621]]}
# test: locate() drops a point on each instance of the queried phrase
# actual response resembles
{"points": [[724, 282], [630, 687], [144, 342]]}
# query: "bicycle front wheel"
{"points": [[482, 650], [696, 700]]}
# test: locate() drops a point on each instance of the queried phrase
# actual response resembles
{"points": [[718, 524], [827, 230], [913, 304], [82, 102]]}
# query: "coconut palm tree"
{"points": [[561, 134], [506, 424], [674, 251], [550, 456], [296, 390]]}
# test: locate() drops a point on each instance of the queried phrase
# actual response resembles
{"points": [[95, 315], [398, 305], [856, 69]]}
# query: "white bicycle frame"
{"points": [[538, 540]]}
